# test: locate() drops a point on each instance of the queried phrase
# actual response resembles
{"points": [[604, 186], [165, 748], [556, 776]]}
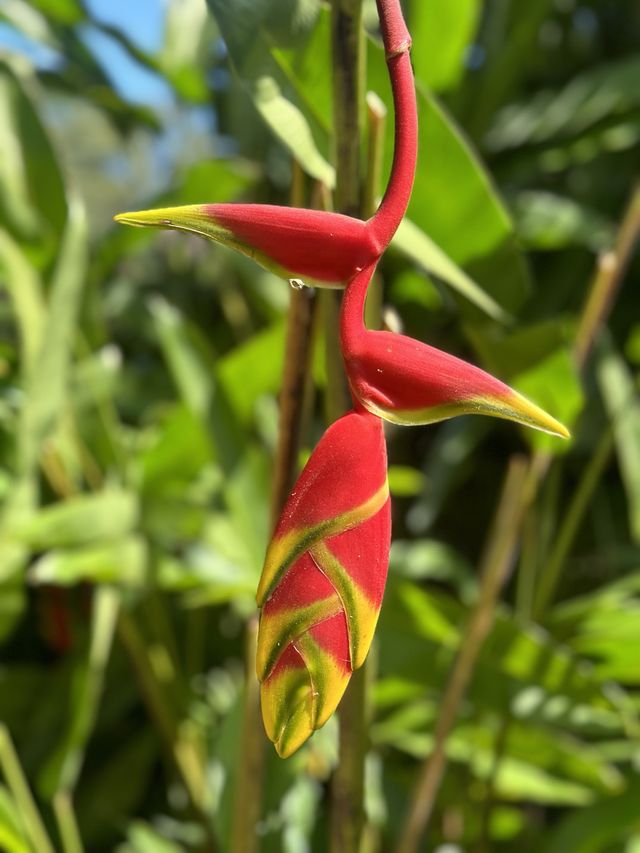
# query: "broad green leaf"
{"points": [[94, 380], [47, 385], [418, 247], [61, 11], [546, 221], [121, 562], [185, 40], [510, 353], [510, 43], [24, 286], [607, 92], [620, 396], [253, 369], [456, 204], [13, 601], [142, 838], [81, 520], [442, 32], [553, 384], [427, 559], [605, 625], [519, 777], [25, 18], [192, 374], [12, 837], [521, 670], [249, 33], [405, 481], [174, 454], [192, 366]]}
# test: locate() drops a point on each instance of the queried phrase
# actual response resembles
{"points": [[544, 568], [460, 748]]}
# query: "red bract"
{"points": [[323, 247], [323, 580], [407, 382]]}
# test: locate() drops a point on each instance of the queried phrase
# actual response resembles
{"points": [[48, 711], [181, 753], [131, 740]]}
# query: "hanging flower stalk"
{"points": [[325, 569]]}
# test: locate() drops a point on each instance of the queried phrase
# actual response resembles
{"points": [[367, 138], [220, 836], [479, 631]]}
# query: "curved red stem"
{"points": [[352, 327], [397, 43]]}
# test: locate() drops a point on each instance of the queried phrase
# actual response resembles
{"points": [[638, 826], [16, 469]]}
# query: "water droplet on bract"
{"points": [[297, 283]]}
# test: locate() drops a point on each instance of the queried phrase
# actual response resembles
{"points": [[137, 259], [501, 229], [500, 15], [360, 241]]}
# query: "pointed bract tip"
{"points": [[531, 415], [187, 218]]}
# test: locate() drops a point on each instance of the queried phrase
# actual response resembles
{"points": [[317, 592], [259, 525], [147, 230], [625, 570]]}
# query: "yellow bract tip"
{"points": [[530, 414], [189, 217]]}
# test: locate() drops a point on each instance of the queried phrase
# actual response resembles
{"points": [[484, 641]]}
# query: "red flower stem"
{"points": [[397, 43], [352, 327]]}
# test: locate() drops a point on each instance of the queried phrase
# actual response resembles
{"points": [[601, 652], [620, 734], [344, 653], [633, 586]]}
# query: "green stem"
{"points": [[610, 271], [496, 563], [248, 792], [347, 817], [19, 787], [67, 823]]}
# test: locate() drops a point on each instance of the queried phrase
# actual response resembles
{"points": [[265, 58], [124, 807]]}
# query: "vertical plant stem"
{"points": [[248, 793], [495, 566], [610, 271], [67, 824], [347, 41], [347, 815], [19, 787]]}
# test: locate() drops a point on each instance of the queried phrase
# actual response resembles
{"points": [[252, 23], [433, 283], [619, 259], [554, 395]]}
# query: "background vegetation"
{"points": [[139, 375]]}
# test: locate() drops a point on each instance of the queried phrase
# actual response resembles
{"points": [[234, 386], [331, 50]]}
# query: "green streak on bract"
{"points": [[283, 552]]}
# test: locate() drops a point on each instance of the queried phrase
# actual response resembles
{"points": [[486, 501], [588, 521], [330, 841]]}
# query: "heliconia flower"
{"points": [[321, 246], [408, 382], [323, 580]]}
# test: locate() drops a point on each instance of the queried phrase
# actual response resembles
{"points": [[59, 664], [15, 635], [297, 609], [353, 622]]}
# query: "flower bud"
{"points": [[323, 580], [408, 382]]}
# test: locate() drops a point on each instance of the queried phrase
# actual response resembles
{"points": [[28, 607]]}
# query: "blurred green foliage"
{"points": [[138, 415]]}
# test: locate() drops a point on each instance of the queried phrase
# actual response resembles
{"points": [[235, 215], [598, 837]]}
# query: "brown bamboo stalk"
{"points": [[610, 271]]}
